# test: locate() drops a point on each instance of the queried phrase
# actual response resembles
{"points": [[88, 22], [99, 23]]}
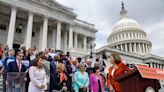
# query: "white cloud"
{"points": [[105, 13], [155, 33]]}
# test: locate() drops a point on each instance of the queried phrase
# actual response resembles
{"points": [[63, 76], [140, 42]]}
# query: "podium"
{"points": [[16, 82], [132, 81]]}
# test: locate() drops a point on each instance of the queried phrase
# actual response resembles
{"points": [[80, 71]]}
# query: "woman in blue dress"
{"points": [[81, 79]]}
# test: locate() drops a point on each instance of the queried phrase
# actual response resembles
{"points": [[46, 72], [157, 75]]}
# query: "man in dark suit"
{"points": [[53, 66], [17, 66]]}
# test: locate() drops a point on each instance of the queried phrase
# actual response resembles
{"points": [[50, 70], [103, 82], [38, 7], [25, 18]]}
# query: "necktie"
{"points": [[19, 66]]}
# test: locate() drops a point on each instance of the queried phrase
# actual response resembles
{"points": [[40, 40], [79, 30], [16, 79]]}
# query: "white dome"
{"points": [[127, 35], [124, 23]]}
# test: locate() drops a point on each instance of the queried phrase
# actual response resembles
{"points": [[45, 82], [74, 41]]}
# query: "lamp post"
{"points": [[91, 46]]}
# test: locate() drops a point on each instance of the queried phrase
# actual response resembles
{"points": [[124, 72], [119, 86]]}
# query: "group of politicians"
{"points": [[54, 71]]}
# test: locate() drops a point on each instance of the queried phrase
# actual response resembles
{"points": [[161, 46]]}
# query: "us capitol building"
{"points": [[131, 42], [48, 24], [44, 24]]}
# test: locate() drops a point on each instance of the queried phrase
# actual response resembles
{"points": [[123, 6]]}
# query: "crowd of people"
{"points": [[52, 70]]}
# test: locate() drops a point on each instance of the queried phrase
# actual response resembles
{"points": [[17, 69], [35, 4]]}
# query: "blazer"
{"points": [[52, 68], [57, 84], [52, 75], [94, 85], [12, 67], [122, 68]]}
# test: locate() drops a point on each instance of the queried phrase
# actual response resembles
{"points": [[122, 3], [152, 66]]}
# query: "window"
{"points": [[3, 27], [33, 34], [18, 30]]}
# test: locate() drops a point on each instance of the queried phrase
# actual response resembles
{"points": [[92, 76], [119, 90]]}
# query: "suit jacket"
{"points": [[52, 75], [12, 67], [57, 84], [122, 68], [52, 68]]}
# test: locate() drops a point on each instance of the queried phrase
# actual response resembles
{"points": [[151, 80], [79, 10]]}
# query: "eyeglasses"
{"points": [[20, 55]]}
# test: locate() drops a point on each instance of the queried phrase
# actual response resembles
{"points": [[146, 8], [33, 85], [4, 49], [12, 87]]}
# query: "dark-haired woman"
{"points": [[37, 76], [96, 81], [118, 68]]}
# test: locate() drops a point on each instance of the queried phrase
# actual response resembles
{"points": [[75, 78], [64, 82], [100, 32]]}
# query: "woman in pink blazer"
{"points": [[96, 81]]}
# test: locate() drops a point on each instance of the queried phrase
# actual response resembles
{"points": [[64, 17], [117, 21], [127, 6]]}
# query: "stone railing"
{"points": [[80, 50]]}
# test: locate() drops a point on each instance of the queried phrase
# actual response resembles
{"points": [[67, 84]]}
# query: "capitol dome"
{"points": [[127, 35]]}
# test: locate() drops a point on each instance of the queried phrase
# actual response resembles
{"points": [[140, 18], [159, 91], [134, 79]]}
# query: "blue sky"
{"points": [[105, 13]]}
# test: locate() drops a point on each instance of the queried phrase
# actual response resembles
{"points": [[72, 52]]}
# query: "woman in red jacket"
{"points": [[118, 68]]}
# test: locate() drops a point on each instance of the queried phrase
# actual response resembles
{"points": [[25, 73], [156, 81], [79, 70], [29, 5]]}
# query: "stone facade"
{"points": [[44, 23]]}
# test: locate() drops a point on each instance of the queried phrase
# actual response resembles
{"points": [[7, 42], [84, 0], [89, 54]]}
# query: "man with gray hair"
{"points": [[23, 49], [88, 65]]}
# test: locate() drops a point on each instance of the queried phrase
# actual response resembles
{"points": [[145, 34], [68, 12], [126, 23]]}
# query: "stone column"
{"points": [[121, 36], [40, 36], [135, 49], [151, 65], [58, 41], [29, 30], [133, 35], [10, 36], [155, 65], [85, 42], [128, 35], [54, 38], [136, 35], [143, 47], [65, 41], [146, 49], [44, 35], [126, 48], [149, 48], [160, 66], [130, 47], [117, 47], [139, 47], [125, 37], [76, 40], [121, 47], [70, 37]]}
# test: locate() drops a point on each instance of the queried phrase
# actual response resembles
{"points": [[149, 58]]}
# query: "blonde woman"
{"points": [[60, 78], [81, 79]]}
